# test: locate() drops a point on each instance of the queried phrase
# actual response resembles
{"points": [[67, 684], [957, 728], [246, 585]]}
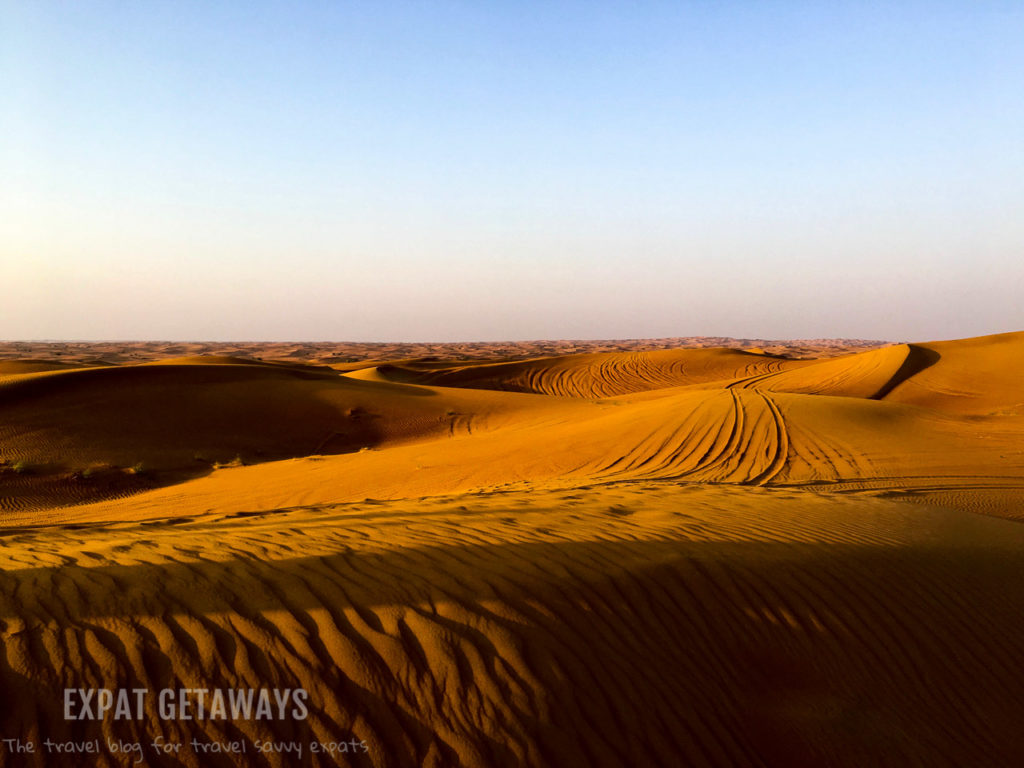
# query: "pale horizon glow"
{"points": [[454, 171]]}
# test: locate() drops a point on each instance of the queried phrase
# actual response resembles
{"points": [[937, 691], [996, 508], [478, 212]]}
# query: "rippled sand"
{"points": [[693, 557]]}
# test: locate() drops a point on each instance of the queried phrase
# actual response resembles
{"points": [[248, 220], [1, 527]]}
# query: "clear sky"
{"points": [[510, 170]]}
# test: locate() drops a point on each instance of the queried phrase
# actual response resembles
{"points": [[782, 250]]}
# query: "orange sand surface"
{"points": [[743, 555]]}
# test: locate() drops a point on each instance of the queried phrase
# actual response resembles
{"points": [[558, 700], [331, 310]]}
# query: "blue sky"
{"points": [[460, 171]]}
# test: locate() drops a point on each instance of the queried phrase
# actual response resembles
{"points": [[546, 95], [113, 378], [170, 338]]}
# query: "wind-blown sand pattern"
{"points": [[665, 557]]}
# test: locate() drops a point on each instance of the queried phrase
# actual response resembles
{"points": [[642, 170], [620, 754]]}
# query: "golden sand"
{"points": [[695, 557]]}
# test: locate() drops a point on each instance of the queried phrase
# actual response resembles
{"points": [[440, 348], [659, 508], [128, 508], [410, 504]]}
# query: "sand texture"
{"points": [[631, 554]]}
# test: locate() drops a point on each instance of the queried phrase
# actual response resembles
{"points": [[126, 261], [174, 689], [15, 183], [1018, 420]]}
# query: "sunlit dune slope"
{"points": [[228, 360], [981, 376], [71, 433], [163, 413], [984, 375], [592, 375], [859, 422], [720, 436], [12, 369], [865, 375]]}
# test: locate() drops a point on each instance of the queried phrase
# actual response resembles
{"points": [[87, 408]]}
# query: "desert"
{"points": [[619, 553], [511, 385]]}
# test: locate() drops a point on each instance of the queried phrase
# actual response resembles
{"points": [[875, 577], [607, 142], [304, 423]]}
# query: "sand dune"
{"points": [[592, 376], [341, 353], [701, 557], [172, 420], [642, 625], [973, 376]]}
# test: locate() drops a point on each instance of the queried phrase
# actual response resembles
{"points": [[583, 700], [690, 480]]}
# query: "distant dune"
{"points": [[591, 375], [737, 555], [340, 353]]}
